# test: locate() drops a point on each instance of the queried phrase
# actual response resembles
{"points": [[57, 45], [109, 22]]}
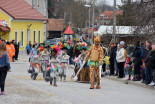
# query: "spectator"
{"points": [[28, 48], [16, 50], [147, 64], [112, 57], [120, 57], [137, 62], [152, 64], [4, 66], [30, 44]]}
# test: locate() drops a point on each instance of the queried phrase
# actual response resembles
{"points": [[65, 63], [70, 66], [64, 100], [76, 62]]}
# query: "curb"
{"points": [[130, 82]]}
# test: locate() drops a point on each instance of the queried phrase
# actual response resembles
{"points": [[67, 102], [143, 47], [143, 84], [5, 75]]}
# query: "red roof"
{"points": [[56, 24], [4, 29], [19, 9], [110, 14], [69, 30]]}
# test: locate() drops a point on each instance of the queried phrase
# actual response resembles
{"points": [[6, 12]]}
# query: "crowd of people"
{"points": [[54, 60], [140, 63]]}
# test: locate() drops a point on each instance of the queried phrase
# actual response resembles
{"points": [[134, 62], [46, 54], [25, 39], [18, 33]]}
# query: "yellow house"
{"points": [[24, 22]]}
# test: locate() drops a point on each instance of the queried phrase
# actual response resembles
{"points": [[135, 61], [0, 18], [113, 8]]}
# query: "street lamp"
{"points": [[88, 6]]}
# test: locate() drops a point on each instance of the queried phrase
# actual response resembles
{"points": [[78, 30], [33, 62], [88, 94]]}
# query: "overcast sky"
{"points": [[111, 2]]}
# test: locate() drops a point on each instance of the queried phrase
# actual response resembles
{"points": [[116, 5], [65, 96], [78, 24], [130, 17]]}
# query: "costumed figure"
{"points": [[95, 55], [54, 66], [35, 65], [64, 61]]}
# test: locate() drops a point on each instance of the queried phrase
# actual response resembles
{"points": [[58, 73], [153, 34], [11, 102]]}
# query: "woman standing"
{"points": [[4, 66], [120, 57]]}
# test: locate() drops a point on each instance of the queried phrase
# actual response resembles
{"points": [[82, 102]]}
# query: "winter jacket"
{"points": [[28, 47], [152, 60], [4, 60], [137, 56], [147, 57], [120, 55]]}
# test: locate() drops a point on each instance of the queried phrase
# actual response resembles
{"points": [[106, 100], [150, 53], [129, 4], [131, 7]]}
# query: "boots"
{"points": [[92, 86], [98, 86]]}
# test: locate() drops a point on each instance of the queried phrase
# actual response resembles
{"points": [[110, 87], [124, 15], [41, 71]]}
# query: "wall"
{"points": [[20, 26]]}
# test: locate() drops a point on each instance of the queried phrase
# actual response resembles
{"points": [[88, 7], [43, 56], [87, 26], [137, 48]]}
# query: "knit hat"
{"points": [[122, 42]]}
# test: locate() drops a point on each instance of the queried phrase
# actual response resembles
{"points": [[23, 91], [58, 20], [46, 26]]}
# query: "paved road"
{"points": [[21, 89]]}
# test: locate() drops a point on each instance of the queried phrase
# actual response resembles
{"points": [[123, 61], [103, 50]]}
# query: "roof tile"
{"points": [[19, 9]]}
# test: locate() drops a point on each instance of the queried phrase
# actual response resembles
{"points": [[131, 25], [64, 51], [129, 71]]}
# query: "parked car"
{"points": [[52, 41]]}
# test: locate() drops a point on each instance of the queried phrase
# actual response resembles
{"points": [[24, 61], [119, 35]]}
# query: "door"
{"points": [[28, 35]]}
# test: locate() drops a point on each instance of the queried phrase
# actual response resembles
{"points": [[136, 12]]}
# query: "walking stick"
{"points": [[75, 78]]}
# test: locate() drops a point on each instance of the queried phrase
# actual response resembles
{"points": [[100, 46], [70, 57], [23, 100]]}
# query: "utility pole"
{"points": [[114, 22], [93, 19]]}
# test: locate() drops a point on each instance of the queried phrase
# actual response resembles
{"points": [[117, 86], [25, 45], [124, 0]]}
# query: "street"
{"points": [[20, 89]]}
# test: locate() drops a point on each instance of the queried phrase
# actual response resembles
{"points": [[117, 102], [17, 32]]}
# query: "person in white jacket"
{"points": [[120, 57]]}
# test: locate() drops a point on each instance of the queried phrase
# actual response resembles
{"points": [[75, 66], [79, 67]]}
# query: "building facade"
{"points": [[41, 7], [25, 24]]}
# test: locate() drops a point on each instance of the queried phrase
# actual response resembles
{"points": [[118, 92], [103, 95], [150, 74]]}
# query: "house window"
{"points": [[34, 36], [16, 36], [22, 39], [39, 35], [105, 16]]}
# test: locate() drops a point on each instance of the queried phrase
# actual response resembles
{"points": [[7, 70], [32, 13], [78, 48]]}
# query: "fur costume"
{"points": [[95, 55]]}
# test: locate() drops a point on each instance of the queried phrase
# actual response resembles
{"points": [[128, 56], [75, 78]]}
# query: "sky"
{"points": [[111, 2]]}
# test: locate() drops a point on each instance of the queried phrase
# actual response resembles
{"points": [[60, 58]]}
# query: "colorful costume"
{"points": [[64, 66], [53, 70], [95, 54]]}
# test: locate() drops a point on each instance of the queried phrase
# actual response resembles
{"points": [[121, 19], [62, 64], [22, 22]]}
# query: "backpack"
{"points": [[125, 54]]}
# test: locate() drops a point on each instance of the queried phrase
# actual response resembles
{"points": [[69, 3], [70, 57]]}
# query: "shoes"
{"points": [[98, 86], [136, 79], [92, 86], [152, 84], [128, 79], [55, 85], [2, 93], [50, 82]]}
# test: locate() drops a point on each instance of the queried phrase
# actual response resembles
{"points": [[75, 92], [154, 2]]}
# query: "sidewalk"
{"points": [[125, 81]]}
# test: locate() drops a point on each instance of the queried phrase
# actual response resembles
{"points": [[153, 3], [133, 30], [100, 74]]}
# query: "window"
{"points": [[16, 36], [34, 36], [105, 16], [39, 36], [22, 39]]}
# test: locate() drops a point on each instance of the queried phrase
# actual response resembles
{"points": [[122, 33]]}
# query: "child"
{"points": [[54, 68], [128, 67], [28, 48], [64, 65]]}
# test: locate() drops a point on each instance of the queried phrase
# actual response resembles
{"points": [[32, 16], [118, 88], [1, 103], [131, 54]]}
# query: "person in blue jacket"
{"points": [[28, 48], [4, 66]]}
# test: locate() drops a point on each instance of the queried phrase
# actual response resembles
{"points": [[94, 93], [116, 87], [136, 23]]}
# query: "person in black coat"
{"points": [[112, 57], [147, 64], [152, 65], [16, 50], [137, 62]]}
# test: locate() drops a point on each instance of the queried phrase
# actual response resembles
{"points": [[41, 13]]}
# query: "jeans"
{"points": [[148, 75], [3, 75], [116, 66]]}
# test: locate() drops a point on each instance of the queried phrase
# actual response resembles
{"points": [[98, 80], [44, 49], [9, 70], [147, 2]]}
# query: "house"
{"points": [[24, 22], [55, 28], [41, 6], [123, 33], [106, 17]]}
